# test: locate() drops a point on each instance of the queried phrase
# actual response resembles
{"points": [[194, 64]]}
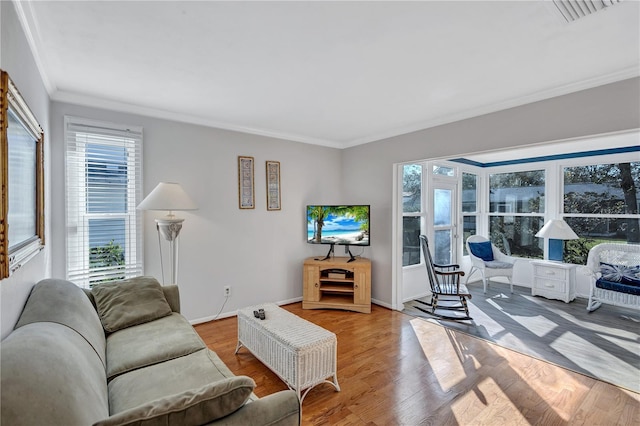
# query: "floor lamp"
{"points": [[170, 197]]}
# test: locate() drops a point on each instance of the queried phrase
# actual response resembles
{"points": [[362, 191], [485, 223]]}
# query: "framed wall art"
{"points": [[273, 185], [246, 193], [21, 179]]}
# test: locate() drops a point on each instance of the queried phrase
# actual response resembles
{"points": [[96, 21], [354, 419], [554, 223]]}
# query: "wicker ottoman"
{"points": [[301, 353]]}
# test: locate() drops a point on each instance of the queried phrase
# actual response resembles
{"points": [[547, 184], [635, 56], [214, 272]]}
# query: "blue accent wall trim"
{"points": [[592, 153], [468, 162]]}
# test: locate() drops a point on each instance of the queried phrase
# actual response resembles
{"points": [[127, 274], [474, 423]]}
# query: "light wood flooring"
{"points": [[604, 344], [395, 369]]}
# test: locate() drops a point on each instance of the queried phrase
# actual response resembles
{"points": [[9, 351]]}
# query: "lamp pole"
{"points": [[169, 227]]}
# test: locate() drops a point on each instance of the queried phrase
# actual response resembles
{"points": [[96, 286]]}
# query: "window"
{"points": [[412, 213], [441, 170], [516, 212], [601, 204], [469, 207], [21, 180], [103, 188]]}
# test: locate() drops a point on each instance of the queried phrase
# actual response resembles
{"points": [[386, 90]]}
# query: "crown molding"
{"points": [[91, 101], [29, 26], [95, 102], [631, 72]]}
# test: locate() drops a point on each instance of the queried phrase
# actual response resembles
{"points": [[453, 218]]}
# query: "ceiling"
{"points": [[331, 73]]}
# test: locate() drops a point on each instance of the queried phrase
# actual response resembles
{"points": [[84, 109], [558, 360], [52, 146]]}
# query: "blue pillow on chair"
{"points": [[482, 250]]}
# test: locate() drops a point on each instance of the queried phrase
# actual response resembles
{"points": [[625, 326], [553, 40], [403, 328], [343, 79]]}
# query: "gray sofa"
{"points": [[121, 354]]}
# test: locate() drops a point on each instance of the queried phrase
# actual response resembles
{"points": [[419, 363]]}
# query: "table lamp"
{"points": [[171, 197], [556, 230]]}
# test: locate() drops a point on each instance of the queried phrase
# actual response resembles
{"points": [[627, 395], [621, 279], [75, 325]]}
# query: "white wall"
{"points": [[259, 253], [369, 168], [16, 59]]}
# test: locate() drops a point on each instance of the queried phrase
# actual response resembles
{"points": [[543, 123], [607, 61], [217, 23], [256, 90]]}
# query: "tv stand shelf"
{"points": [[337, 283]]}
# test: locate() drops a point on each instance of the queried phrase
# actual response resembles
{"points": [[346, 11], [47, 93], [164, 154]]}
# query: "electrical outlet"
{"points": [[227, 290]]}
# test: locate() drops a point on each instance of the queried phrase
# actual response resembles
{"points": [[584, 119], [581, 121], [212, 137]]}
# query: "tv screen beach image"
{"points": [[343, 225]]}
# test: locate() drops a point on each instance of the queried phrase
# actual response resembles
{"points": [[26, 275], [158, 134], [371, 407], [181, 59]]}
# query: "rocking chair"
{"points": [[445, 287]]}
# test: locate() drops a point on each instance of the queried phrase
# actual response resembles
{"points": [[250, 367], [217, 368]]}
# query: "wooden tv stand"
{"points": [[337, 284]]}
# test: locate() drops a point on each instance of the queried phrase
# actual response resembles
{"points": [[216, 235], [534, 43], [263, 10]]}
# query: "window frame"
{"points": [[420, 214], [587, 161], [14, 255], [79, 267], [477, 213], [541, 215]]}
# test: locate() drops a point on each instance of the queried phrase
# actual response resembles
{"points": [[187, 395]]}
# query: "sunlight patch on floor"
{"points": [[540, 327], [628, 343], [567, 343], [445, 355], [473, 407]]}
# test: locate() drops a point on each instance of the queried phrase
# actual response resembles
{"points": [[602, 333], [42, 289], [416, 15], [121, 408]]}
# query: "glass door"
{"points": [[445, 219]]}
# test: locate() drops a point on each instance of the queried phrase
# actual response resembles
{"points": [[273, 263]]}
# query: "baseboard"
{"points": [[234, 313], [381, 303], [416, 296], [213, 317], [280, 303]]}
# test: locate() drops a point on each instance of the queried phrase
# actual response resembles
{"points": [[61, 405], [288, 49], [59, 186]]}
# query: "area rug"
{"points": [[604, 344]]}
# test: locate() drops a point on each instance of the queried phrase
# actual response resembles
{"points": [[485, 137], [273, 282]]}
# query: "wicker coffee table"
{"points": [[301, 353]]}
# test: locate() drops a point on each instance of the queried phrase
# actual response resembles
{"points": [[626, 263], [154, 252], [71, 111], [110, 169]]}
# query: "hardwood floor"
{"points": [[604, 344], [395, 369]]}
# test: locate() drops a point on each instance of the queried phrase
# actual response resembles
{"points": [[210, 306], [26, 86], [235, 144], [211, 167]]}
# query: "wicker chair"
{"points": [[447, 292], [500, 265], [616, 273]]}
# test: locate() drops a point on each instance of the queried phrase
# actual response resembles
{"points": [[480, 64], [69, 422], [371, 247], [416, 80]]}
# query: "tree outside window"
{"points": [[412, 213], [516, 212], [601, 205], [469, 207]]}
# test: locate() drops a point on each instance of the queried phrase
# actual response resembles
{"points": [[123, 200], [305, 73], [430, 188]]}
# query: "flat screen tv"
{"points": [[342, 225]]}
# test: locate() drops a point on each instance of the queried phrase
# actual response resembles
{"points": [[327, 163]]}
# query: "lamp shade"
{"points": [[167, 196], [557, 229]]}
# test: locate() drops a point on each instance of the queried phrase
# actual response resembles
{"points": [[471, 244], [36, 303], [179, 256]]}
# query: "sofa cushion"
{"points": [[125, 303], [629, 275], [51, 376], [618, 286], [65, 303], [496, 264], [190, 390], [483, 250], [150, 343]]}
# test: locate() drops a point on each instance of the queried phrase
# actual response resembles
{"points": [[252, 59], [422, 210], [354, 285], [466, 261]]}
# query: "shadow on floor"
{"points": [[604, 344]]}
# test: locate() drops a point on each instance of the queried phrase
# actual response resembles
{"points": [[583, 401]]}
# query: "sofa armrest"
{"points": [[280, 408], [172, 294]]}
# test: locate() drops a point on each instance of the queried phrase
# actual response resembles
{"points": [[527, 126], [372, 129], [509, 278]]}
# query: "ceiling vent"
{"points": [[572, 10]]}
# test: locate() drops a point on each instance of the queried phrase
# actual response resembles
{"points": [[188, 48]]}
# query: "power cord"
{"points": [[221, 308], [160, 247]]}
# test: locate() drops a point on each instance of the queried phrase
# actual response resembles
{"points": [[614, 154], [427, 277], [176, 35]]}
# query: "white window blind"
{"points": [[103, 188]]}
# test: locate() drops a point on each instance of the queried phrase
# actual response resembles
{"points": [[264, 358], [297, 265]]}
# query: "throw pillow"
{"points": [[125, 303], [620, 273], [482, 250], [193, 407]]}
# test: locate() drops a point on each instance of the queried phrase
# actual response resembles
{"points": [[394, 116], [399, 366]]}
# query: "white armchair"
{"points": [[489, 260]]}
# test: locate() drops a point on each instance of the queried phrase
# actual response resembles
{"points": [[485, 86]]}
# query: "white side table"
{"points": [[554, 280]]}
